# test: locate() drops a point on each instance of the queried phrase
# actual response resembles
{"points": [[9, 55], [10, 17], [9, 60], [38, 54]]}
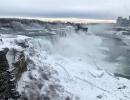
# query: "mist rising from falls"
{"points": [[74, 47]]}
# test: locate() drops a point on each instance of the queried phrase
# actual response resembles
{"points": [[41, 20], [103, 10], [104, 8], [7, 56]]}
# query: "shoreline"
{"points": [[72, 20]]}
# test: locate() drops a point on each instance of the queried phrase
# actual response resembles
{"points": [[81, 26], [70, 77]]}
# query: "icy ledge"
{"points": [[50, 79]]}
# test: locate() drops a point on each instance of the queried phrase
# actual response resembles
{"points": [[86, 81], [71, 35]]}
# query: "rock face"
{"points": [[7, 80], [20, 65]]}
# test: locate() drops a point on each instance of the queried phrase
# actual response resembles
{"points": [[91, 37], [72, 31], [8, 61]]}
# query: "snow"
{"points": [[9, 41], [88, 83], [79, 78]]}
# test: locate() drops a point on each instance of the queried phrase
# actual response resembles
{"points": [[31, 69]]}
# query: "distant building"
{"points": [[123, 22]]}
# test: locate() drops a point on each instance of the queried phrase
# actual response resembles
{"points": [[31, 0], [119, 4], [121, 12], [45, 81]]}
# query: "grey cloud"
{"points": [[62, 7]]}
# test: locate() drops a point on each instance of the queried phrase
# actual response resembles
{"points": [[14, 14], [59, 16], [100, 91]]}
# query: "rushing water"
{"points": [[118, 53], [104, 52]]}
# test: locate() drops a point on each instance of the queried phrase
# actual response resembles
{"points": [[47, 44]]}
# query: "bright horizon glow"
{"points": [[73, 20]]}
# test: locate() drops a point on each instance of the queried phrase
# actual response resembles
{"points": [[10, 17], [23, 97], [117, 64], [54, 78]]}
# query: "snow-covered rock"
{"points": [[124, 38]]}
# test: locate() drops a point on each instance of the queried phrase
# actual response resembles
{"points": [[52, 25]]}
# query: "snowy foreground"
{"points": [[51, 76]]}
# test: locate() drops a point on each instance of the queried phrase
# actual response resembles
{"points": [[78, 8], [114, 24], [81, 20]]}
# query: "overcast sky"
{"points": [[65, 8]]}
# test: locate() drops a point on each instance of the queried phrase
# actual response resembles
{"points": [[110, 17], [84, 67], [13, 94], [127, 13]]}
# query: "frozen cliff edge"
{"points": [[44, 78], [38, 80]]}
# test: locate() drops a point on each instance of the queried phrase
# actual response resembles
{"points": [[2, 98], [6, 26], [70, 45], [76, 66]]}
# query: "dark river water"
{"points": [[118, 53]]}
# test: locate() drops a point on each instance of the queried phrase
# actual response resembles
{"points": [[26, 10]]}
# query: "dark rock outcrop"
{"points": [[20, 65], [80, 27], [7, 79]]}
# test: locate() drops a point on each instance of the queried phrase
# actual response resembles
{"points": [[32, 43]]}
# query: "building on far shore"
{"points": [[123, 22]]}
